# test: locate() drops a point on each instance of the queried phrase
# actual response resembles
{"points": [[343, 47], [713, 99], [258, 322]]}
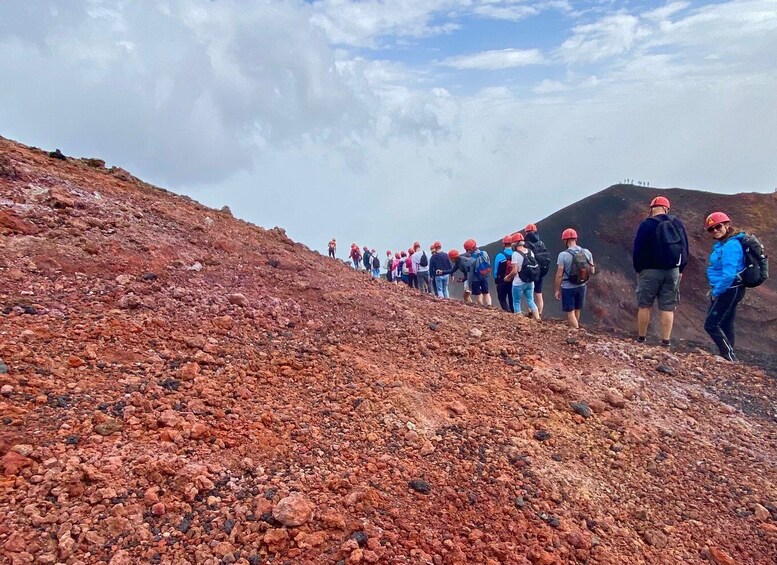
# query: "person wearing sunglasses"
{"points": [[726, 261]]}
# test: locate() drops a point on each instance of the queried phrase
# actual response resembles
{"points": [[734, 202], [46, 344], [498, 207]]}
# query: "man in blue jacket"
{"points": [[660, 254]]}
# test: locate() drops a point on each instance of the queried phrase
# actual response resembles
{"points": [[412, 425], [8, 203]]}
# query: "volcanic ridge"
{"points": [[179, 386]]}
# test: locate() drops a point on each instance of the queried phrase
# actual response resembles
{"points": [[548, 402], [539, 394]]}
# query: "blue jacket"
{"points": [[650, 253], [726, 261], [504, 255]]}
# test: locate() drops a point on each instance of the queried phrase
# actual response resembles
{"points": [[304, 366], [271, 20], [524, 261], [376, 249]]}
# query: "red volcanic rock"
{"points": [[147, 416], [294, 510]]}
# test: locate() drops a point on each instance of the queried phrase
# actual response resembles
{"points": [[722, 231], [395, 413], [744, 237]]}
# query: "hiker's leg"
{"points": [[667, 321], [718, 311], [538, 295], [528, 292], [643, 321], [572, 319]]}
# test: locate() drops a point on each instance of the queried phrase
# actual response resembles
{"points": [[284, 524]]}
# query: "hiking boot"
{"points": [[665, 343]]}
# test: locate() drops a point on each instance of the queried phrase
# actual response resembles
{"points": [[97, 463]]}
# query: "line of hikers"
{"points": [[660, 254]]}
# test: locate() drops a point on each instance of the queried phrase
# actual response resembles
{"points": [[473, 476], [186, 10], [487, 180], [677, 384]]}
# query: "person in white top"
{"points": [[522, 288], [421, 271]]}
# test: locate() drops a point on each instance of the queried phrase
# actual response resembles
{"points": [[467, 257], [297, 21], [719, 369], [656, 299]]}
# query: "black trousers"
{"points": [[504, 291], [721, 316]]}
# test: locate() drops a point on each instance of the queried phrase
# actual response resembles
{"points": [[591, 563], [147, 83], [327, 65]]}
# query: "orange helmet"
{"points": [[516, 237], [569, 233], [453, 254], [506, 240], [470, 244], [530, 227], [714, 219], [660, 201]]}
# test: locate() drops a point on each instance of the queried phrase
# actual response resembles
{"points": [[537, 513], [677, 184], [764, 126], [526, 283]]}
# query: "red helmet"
{"points": [[404, 254], [506, 240], [365, 248], [660, 201], [530, 227], [470, 244], [516, 237], [410, 251], [416, 245], [437, 245], [353, 245], [453, 254], [714, 219], [569, 233], [388, 253], [397, 255]]}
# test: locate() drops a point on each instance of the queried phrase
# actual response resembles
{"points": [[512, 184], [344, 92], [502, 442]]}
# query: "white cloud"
{"points": [[612, 35], [547, 86], [494, 60]]}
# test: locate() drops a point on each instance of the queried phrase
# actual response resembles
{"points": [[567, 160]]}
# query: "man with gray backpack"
{"points": [[575, 267]]}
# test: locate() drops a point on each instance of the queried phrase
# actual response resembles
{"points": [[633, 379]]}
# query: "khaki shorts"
{"points": [[663, 284]]}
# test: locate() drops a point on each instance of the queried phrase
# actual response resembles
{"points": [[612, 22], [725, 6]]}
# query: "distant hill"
{"points": [[607, 222]]}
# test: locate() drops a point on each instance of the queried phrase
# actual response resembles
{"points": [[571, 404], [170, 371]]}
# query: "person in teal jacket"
{"points": [[726, 262]]}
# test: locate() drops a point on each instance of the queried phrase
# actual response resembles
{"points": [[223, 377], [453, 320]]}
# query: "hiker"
{"points": [[479, 272], [432, 282], [459, 262], [421, 267], [575, 266], [440, 262], [332, 248], [524, 271], [367, 259], [502, 266], [355, 256], [412, 278], [726, 261], [389, 267], [659, 256], [374, 264], [404, 272], [396, 265], [532, 238]]}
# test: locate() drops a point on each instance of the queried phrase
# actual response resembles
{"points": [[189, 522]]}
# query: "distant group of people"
{"points": [[660, 254]]}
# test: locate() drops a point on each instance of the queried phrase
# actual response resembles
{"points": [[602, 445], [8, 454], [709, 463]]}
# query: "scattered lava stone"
{"points": [[420, 485], [270, 494], [62, 401], [550, 519], [581, 408], [228, 525], [433, 326], [150, 277], [665, 369], [170, 383], [31, 310], [7, 421], [542, 435], [360, 537], [661, 456], [72, 440], [519, 502]]}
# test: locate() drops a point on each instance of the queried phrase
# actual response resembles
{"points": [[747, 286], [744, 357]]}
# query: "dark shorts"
{"points": [[572, 298], [479, 287], [663, 284], [538, 286]]}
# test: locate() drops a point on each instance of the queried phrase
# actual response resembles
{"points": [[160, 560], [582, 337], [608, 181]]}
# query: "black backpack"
{"points": [[366, 259], [756, 262], [530, 268], [424, 261], [389, 273], [670, 238], [375, 262], [541, 254]]}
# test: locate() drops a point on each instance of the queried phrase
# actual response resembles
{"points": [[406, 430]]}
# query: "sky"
{"points": [[383, 122]]}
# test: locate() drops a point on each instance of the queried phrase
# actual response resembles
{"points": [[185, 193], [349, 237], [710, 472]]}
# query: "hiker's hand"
{"points": [[557, 294]]}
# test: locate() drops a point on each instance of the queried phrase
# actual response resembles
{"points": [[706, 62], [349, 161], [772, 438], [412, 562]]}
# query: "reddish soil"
{"points": [[177, 389]]}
